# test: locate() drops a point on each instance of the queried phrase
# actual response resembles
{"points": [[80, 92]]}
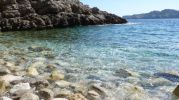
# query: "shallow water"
{"points": [[96, 52]]}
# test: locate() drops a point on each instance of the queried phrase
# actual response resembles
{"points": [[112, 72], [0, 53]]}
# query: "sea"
{"points": [[142, 46]]}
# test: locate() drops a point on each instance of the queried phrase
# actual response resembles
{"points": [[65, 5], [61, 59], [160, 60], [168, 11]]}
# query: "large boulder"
{"points": [[40, 14]]}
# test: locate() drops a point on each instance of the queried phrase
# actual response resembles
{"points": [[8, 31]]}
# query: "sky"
{"points": [[129, 7]]}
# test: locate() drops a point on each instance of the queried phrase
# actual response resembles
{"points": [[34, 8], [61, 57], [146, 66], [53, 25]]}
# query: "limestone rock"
{"points": [[63, 83], [29, 96], [30, 14], [10, 78], [20, 86]]}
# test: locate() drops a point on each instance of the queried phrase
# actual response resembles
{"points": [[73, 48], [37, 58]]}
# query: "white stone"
{"points": [[63, 83], [59, 99], [32, 71], [10, 78], [5, 98], [29, 96], [20, 86]]}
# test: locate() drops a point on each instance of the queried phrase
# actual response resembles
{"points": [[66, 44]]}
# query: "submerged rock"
{"points": [[38, 49], [123, 73], [132, 92], [57, 75], [3, 85], [168, 76], [32, 71], [93, 95], [30, 14]]}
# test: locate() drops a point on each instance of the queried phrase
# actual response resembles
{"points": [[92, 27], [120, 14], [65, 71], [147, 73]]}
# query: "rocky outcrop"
{"points": [[39, 14]]}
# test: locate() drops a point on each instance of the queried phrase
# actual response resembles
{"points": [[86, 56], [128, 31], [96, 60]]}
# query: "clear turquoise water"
{"points": [[145, 46], [142, 46]]}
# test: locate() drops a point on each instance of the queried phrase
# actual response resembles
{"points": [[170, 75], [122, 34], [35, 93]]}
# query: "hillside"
{"points": [[167, 13]]}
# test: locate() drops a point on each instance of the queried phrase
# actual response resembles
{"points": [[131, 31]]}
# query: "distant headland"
{"points": [[40, 14], [166, 13]]}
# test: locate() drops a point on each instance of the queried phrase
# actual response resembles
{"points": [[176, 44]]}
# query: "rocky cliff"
{"points": [[39, 14]]}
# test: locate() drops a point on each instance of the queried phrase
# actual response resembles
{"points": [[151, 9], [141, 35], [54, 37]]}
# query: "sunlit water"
{"points": [[143, 46]]}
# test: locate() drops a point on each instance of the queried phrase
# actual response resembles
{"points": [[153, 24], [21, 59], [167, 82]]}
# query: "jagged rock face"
{"points": [[39, 14]]}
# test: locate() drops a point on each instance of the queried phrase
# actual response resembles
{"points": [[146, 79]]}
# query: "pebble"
{"points": [[102, 91], [93, 95], [59, 93], [59, 99], [20, 86], [29, 96], [133, 92], [4, 71], [3, 85], [63, 83], [123, 73], [39, 64], [76, 96], [5, 98], [57, 75], [38, 49], [32, 71], [46, 94], [10, 78]]}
